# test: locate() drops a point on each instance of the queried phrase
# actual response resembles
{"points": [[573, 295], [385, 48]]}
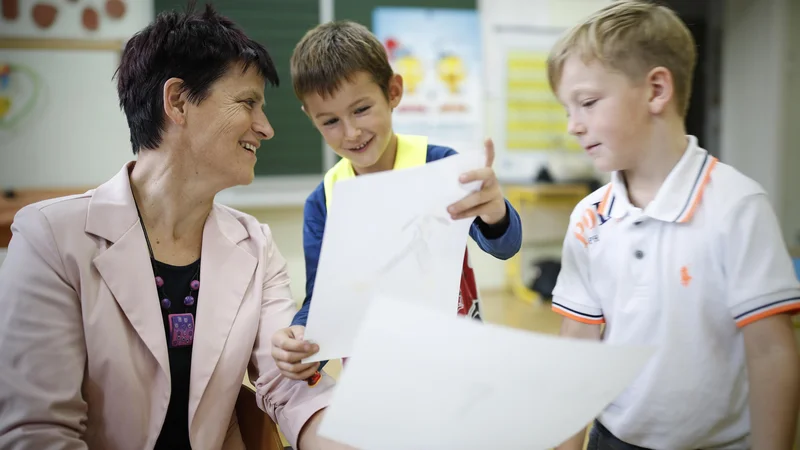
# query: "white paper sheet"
{"points": [[420, 379], [390, 233]]}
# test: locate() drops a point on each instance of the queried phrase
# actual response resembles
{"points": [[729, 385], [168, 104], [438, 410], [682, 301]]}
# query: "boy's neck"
{"points": [[657, 160]]}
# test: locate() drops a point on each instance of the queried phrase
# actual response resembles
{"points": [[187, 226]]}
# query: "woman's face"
{"points": [[225, 130]]}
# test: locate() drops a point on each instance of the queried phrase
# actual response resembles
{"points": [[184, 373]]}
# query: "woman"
{"points": [[131, 312]]}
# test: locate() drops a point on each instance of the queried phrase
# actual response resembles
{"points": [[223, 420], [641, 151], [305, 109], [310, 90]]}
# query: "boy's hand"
{"points": [[488, 203], [289, 348]]}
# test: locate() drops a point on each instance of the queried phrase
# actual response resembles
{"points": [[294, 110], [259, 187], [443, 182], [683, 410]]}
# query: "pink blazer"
{"points": [[83, 356]]}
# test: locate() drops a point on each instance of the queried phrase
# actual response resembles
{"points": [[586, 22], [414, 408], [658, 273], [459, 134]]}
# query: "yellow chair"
{"points": [[528, 201]]}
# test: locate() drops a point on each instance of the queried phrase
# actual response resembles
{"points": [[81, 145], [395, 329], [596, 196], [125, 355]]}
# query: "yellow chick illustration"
{"points": [[410, 68], [452, 72]]}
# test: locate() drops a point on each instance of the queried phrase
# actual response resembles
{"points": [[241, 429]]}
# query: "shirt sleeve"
{"points": [[759, 273], [290, 403], [314, 215], [42, 345], [573, 296], [502, 244], [502, 240]]}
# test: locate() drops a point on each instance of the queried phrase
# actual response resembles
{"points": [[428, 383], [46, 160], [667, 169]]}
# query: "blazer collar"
{"points": [[112, 211]]}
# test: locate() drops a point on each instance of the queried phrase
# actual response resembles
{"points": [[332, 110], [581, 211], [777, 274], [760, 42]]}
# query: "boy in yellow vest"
{"points": [[342, 76]]}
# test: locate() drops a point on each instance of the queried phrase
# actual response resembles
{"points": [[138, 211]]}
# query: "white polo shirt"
{"points": [[703, 259]]}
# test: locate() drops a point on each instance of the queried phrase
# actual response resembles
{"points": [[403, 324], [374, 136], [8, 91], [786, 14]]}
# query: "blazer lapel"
{"points": [[125, 265], [126, 269], [226, 271]]}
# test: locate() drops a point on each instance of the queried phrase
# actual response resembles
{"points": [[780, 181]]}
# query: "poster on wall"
{"points": [[527, 122], [438, 54]]}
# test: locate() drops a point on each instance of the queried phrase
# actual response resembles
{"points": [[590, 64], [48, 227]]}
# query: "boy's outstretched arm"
{"points": [[773, 368], [497, 228]]}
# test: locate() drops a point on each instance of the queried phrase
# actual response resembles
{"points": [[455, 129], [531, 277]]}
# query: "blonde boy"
{"points": [[678, 251], [342, 77]]}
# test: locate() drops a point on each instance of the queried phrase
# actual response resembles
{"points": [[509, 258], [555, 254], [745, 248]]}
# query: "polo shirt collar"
{"points": [[679, 195]]}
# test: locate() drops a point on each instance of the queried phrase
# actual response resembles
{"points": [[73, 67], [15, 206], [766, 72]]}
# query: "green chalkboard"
{"points": [[296, 148], [361, 10]]}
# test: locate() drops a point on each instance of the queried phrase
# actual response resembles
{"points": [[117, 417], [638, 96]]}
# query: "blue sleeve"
{"points": [[502, 240], [314, 214]]}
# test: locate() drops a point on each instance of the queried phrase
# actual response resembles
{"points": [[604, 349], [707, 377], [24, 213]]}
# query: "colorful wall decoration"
{"points": [[45, 15], [437, 51], [20, 87]]}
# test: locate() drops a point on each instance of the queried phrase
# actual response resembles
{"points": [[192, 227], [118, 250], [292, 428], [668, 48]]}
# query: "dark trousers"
{"points": [[602, 439]]}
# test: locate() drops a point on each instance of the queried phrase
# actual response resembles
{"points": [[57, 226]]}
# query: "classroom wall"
{"points": [[760, 96], [77, 135], [790, 206]]}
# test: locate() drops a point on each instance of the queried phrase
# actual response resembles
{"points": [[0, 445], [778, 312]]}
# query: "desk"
{"points": [[10, 205], [530, 200], [263, 193]]}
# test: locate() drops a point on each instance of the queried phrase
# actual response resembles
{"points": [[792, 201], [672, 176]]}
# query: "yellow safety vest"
{"points": [[412, 151]]}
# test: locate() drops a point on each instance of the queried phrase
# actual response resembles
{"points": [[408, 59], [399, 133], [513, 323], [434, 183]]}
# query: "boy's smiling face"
{"points": [[356, 121]]}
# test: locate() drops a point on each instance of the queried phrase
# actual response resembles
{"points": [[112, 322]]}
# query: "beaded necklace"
{"points": [[181, 325]]}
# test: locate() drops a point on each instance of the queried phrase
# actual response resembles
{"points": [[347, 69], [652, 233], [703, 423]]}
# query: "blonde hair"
{"points": [[333, 52], [632, 37]]}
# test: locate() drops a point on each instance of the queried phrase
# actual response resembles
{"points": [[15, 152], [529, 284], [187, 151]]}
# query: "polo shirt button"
{"points": [[639, 254]]}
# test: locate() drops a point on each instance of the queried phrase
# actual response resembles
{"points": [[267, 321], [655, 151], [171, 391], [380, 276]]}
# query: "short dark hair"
{"points": [[197, 47], [335, 51]]}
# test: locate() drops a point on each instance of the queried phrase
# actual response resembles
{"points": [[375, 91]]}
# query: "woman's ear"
{"points": [[175, 101]]}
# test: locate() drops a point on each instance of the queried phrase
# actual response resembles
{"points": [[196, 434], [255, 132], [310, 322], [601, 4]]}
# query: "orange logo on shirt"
{"points": [[587, 224], [685, 277]]}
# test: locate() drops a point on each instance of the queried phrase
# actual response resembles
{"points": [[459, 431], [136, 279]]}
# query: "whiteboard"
{"points": [[76, 135]]}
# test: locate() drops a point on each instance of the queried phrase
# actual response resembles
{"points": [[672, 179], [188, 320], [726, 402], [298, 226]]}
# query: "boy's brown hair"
{"points": [[632, 37], [333, 52]]}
